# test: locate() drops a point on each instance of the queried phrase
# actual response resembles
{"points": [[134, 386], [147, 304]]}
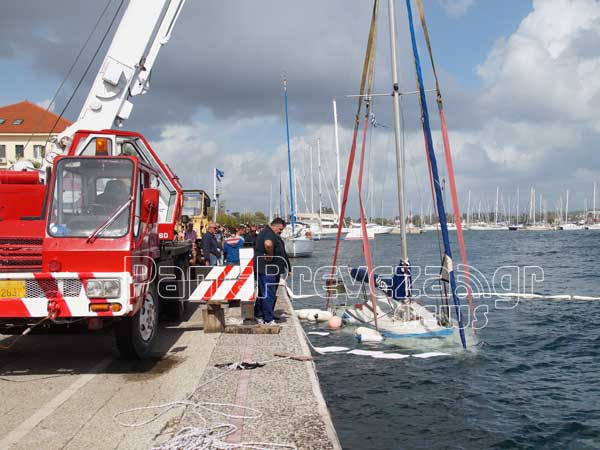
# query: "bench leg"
{"points": [[213, 317], [247, 311]]}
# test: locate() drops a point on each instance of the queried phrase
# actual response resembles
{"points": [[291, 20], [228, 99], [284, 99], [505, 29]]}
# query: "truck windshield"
{"points": [[86, 193]]}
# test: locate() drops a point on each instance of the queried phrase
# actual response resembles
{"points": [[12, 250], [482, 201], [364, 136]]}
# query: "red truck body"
{"points": [[95, 243]]}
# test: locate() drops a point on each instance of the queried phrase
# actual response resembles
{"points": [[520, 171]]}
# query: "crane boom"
{"points": [[144, 28]]}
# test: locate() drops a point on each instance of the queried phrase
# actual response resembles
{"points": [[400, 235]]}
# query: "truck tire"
{"points": [[173, 306], [135, 335], [175, 309]]}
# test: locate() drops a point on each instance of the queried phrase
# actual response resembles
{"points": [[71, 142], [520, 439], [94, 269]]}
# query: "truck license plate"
{"points": [[12, 289]]}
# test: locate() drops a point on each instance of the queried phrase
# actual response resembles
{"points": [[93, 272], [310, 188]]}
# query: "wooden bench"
{"points": [[213, 314]]}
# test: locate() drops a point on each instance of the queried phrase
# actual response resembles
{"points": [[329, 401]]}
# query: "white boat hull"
{"points": [[412, 320], [299, 247], [355, 234]]}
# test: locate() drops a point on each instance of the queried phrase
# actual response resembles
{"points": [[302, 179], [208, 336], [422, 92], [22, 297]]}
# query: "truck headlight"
{"points": [[98, 288]]}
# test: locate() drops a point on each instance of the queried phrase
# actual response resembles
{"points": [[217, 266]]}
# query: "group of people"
{"points": [[218, 245], [221, 246]]}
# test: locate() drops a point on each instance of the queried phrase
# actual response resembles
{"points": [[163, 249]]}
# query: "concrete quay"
{"points": [[62, 391]]}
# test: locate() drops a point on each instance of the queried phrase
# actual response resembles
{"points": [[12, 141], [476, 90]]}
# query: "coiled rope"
{"points": [[205, 437]]}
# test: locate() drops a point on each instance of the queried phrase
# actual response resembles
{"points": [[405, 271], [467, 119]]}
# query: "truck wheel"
{"points": [[174, 308], [135, 335]]}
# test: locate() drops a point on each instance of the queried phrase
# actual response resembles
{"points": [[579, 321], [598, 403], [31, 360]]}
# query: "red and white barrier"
{"points": [[228, 282]]}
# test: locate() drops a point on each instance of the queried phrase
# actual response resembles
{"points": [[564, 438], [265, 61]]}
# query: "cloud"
{"points": [[216, 98], [546, 69], [456, 8]]}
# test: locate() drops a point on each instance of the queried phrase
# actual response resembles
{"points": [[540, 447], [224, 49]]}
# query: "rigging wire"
{"points": [[66, 77], [89, 65]]}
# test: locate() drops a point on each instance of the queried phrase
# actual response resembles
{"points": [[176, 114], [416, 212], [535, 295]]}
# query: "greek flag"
{"points": [[375, 123], [219, 174]]}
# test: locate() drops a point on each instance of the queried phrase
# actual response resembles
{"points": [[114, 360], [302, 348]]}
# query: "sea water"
{"points": [[530, 379]]}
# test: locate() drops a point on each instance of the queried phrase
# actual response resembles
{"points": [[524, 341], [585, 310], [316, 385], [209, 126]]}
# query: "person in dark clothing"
{"points": [[210, 246], [271, 261], [250, 236]]}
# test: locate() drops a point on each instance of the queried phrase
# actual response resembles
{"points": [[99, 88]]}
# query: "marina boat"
{"points": [[570, 227], [355, 234], [538, 227], [413, 229], [374, 228], [325, 230], [300, 244]]}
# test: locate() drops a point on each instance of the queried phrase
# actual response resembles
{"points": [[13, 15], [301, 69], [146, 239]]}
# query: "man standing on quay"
{"points": [[271, 262], [210, 247]]}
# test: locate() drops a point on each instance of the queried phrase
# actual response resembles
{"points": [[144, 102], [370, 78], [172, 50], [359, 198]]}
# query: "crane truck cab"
{"points": [[105, 248]]}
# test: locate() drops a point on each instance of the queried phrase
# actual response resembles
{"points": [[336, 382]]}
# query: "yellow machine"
{"points": [[195, 210]]}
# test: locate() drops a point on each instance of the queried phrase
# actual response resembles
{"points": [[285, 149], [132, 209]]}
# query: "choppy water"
{"points": [[534, 385]]}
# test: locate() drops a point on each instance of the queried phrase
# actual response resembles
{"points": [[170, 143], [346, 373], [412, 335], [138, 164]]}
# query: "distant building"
{"points": [[24, 131]]}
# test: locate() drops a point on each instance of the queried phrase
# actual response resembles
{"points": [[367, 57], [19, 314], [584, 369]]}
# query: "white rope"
{"points": [[205, 437], [291, 295], [525, 296]]}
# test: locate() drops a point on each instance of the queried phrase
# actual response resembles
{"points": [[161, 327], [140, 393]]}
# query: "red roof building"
{"points": [[24, 131]]}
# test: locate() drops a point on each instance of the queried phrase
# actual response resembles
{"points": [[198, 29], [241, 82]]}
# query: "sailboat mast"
{"points": [[295, 198], [595, 202], [497, 198], [271, 203], [312, 183], [517, 210], [567, 207], [287, 130], [469, 209], [281, 211], [398, 137], [319, 177], [338, 186]]}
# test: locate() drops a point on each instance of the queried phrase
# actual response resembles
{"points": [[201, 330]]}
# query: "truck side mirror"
{"points": [[149, 209]]}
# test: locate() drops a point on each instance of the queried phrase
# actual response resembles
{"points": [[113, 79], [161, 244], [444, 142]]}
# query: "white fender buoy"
{"points": [[321, 316], [364, 334], [304, 314]]}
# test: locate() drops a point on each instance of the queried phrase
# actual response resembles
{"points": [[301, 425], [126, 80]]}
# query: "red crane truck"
{"points": [[90, 239]]}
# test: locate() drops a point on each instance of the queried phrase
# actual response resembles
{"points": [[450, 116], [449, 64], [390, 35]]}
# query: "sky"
{"points": [[519, 80]]}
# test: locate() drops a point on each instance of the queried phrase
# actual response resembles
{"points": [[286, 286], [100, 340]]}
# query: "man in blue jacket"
{"points": [[232, 245]]}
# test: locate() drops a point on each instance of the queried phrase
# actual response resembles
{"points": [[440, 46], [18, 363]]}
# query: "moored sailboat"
{"points": [[296, 236]]}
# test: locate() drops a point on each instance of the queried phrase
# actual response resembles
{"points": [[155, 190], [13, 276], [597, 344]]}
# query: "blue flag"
{"points": [[219, 174]]}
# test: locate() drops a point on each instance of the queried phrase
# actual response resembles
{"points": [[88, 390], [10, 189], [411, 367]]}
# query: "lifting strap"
{"points": [[450, 166], [434, 172], [363, 222], [366, 65]]}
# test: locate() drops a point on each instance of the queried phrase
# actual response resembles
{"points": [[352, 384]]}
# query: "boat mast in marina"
{"points": [[338, 186], [289, 154], [397, 134], [319, 180]]}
